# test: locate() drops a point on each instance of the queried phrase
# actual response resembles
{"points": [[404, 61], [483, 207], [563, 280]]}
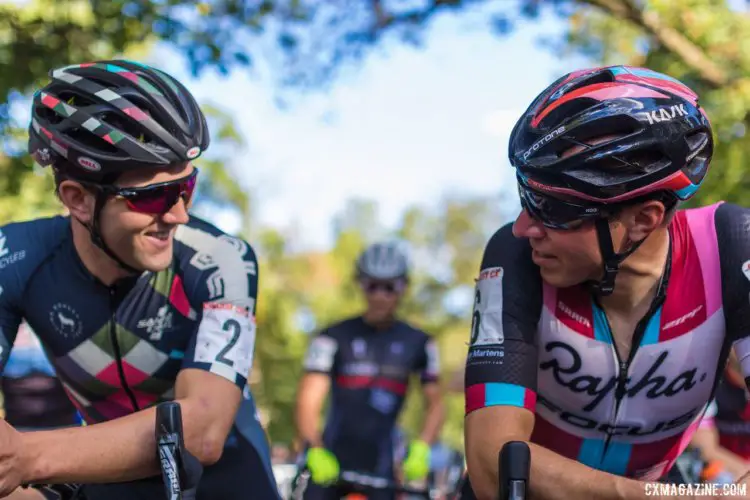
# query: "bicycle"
{"points": [[181, 471], [356, 485]]}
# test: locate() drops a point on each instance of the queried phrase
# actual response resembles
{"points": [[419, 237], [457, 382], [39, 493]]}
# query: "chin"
{"points": [[156, 264], [560, 280]]}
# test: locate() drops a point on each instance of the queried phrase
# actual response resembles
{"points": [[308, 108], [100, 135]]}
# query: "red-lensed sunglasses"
{"points": [[156, 198]]}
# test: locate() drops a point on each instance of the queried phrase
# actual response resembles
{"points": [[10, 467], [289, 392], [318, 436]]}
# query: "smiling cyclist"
{"points": [[134, 300], [604, 315]]}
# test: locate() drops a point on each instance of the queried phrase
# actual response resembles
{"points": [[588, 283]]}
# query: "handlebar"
{"points": [[514, 463], [180, 470], [355, 478]]}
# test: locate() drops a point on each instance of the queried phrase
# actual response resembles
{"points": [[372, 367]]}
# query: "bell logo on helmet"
{"points": [[89, 164], [193, 152]]}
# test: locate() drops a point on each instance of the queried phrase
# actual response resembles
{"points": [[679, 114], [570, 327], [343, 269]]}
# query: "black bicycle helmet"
{"points": [[100, 119], [639, 134]]}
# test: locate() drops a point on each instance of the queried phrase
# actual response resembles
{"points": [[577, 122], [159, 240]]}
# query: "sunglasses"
{"points": [[156, 198], [555, 213], [390, 287]]}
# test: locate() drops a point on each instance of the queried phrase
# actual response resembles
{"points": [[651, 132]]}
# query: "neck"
{"points": [[94, 259], [378, 323], [639, 276]]}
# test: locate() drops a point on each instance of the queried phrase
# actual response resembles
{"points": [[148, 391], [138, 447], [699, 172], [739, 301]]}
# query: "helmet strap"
{"points": [[611, 260], [96, 235]]}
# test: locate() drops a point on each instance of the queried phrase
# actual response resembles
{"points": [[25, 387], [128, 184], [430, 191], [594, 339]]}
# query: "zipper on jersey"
{"points": [[116, 348], [639, 332]]}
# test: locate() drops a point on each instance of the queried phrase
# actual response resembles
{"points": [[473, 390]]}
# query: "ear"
{"points": [[78, 200], [642, 219]]}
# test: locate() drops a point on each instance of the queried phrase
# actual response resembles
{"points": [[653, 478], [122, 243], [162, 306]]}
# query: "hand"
{"points": [[417, 463], [323, 465], [11, 459]]}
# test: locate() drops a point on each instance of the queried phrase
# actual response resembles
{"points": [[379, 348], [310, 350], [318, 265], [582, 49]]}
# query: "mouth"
{"points": [[541, 258], [160, 239]]}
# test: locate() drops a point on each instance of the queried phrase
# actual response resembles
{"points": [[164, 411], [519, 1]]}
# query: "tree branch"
{"points": [[690, 53]]}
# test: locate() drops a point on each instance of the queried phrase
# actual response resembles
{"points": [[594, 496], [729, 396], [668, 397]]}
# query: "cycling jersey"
{"points": [[370, 372], [729, 414], [550, 350], [33, 397], [118, 349]]}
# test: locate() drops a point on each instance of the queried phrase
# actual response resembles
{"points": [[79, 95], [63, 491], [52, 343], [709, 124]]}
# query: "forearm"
{"points": [[308, 425], [433, 422], [555, 477], [123, 449]]}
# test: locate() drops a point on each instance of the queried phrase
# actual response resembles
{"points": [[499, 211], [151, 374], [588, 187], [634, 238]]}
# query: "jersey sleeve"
{"points": [[732, 224], [501, 366], [321, 354], [708, 422], [223, 284], [429, 362], [16, 260]]}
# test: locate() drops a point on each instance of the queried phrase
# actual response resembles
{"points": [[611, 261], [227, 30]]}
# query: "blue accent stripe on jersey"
{"points": [[615, 461], [651, 335], [499, 393], [601, 327], [175, 354]]}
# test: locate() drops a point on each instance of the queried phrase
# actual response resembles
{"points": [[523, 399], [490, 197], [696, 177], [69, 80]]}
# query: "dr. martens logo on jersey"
{"points": [[566, 365]]}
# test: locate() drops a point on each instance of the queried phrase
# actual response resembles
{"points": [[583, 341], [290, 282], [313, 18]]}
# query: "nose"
{"points": [[178, 214], [526, 226]]}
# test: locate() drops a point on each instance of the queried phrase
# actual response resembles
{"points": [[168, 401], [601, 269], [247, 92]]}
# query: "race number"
{"points": [[487, 319], [226, 340]]}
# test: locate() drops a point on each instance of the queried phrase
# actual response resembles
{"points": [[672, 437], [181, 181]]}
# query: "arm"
{"points": [[313, 390], [433, 394], [84, 454], [314, 386], [215, 367], [500, 383], [434, 414]]}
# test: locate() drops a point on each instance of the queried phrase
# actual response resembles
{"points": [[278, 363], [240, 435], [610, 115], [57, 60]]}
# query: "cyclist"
{"points": [[368, 360], [724, 432], [135, 301], [604, 315], [33, 397]]}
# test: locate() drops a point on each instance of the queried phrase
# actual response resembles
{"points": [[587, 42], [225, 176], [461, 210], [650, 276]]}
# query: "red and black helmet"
{"points": [[102, 118], [659, 138]]}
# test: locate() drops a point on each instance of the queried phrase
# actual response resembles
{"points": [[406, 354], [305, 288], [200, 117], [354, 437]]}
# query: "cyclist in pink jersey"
{"points": [[604, 315]]}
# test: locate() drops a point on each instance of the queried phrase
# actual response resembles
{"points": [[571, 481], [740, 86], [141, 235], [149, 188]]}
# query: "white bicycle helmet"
{"points": [[383, 261]]}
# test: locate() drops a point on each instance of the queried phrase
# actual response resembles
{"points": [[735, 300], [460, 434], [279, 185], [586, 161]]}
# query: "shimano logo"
{"points": [[570, 312], [541, 142], [169, 467]]}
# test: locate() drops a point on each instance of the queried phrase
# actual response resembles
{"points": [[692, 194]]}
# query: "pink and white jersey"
{"points": [[550, 350]]}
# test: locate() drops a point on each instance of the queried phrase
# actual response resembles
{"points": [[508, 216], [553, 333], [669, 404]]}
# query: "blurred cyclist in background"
{"points": [[723, 437], [368, 361], [33, 397]]}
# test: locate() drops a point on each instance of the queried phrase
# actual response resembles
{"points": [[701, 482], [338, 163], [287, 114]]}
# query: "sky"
{"points": [[405, 127]]}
